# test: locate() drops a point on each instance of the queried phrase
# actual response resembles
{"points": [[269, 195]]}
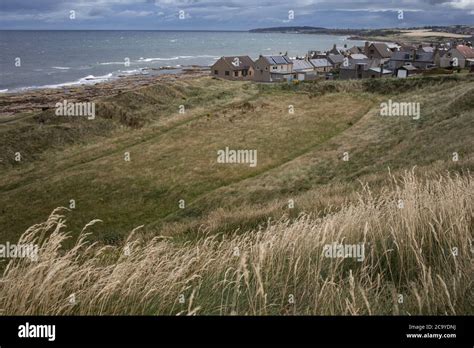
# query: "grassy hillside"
{"points": [[173, 156], [417, 260], [278, 215]]}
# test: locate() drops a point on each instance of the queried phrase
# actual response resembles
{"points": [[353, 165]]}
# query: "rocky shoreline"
{"points": [[34, 100]]}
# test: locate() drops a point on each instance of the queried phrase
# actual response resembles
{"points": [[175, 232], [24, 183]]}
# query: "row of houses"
{"points": [[270, 68], [373, 60], [379, 59]]}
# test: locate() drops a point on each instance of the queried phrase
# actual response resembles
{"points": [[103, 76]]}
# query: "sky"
{"points": [[230, 14]]}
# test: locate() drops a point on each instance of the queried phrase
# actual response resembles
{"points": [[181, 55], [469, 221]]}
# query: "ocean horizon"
{"points": [[34, 59]]}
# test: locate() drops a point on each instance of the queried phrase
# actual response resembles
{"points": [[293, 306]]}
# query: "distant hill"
{"points": [[363, 34], [307, 30], [352, 33]]}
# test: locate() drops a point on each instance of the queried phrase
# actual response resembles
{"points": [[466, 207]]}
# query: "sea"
{"points": [[55, 59]]}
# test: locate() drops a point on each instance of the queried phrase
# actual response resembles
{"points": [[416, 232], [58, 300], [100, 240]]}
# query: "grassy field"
{"points": [[191, 251]]}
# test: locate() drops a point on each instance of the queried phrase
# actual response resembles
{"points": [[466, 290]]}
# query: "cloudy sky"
{"points": [[230, 14]]}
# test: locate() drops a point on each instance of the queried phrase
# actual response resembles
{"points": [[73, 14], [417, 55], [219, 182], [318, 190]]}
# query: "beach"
{"points": [[13, 105]]}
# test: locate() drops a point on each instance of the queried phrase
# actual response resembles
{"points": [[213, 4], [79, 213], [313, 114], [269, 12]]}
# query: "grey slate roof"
{"points": [[383, 49], [336, 58], [301, 64], [320, 63], [245, 62], [276, 60]]}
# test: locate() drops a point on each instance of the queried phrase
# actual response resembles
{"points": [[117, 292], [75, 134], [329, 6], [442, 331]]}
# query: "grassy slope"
{"points": [[417, 260], [174, 156]]}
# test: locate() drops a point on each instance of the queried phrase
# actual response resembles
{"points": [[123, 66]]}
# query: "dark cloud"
{"points": [[230, 14]]}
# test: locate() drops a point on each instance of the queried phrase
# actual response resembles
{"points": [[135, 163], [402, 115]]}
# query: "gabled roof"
{"points": [[320, 63], [301, 64], [356, 49], [244, 62], [336, 58], [466, 51], [277, 60], [382, 49]]}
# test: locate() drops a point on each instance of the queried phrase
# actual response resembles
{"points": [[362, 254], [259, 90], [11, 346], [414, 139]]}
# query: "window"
{"points": [[236, 73], [227, 73], [274, 67], [216, 72]]}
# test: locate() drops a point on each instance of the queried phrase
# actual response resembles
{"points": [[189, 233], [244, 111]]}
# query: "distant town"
{"points": [[375, 59]]}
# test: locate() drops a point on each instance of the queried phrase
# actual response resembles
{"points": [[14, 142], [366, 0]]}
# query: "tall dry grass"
{"points": [[418, 260]]}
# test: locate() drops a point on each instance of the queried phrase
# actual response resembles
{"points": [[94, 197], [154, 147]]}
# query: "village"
{"points": [[373, 60]]}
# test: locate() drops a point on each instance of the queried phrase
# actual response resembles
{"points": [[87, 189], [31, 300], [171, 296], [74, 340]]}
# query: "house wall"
{"points": [[323, 69], [422, 65], [263, 71], [449, 57], [221, 67], [283, 77], [395, 64], [282, 68]]}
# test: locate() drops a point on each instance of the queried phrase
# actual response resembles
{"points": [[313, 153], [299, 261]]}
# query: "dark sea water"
{"points": [[63, 58]]}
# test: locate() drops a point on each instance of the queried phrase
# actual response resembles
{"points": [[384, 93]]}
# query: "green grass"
{"points": [[173, 156]]}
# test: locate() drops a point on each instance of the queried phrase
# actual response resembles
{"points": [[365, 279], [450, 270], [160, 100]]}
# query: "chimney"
{"points": [[366, 48], [414, 54]]}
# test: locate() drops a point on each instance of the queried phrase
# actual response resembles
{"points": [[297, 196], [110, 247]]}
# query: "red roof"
{"points": [[466, 51]]}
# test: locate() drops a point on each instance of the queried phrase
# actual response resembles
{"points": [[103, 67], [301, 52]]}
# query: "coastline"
{"points": [[38, 99]]}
